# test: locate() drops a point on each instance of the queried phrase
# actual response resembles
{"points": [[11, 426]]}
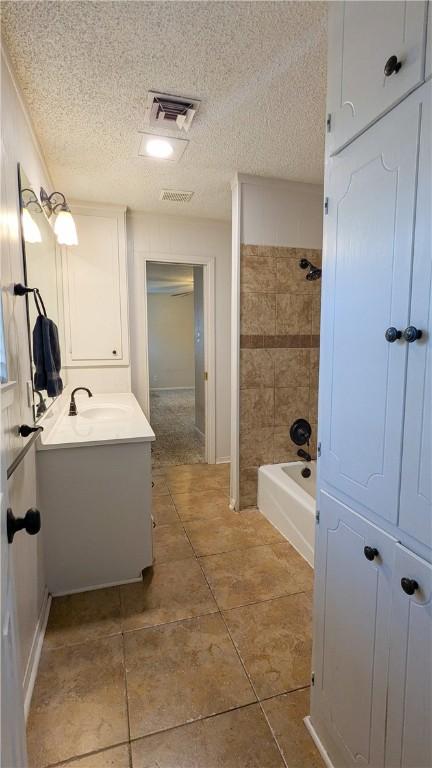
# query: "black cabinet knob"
{"points": [[392, 334], [31, 523], [392, 66], [412, 333], [114, 351], [25, 430], [409, 585], [370, 553]]}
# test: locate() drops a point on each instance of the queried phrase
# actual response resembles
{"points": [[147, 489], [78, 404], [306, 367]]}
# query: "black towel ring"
{"points": [[23, 290]]}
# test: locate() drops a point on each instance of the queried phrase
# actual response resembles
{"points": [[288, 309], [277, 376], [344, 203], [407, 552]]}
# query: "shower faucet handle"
{"points": [[392, 334]]}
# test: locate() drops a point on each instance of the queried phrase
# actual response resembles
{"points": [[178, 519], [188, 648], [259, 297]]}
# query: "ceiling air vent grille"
{"points": [[163, 110], [176, 195]]}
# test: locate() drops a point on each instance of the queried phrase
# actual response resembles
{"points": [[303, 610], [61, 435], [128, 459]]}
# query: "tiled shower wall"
{"points": [[279, 348]]}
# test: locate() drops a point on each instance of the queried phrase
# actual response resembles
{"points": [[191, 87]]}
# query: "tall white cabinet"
{"points": [[372, 661]]}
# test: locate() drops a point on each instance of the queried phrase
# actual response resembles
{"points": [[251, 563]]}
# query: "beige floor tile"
{"points": [[168, 592], [182, 672], [274, 640], [160, 487], [170, 543], [164, 511], [259, 573], [190, 478], [238, 739], [84, 616], [285, 714], [117, 757], [210, 537], [201, 504], [79, 702]]}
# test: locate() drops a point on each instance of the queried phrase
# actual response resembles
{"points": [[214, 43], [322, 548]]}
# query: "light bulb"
{"points": [[159, 148], [31, 230], [65, 229]]}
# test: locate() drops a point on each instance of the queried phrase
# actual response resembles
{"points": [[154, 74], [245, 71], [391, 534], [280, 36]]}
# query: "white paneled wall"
{"points": [[150, 234], [19, 145]]}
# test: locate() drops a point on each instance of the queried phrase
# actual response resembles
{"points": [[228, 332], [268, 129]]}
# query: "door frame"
{"points": [[208, 264]]}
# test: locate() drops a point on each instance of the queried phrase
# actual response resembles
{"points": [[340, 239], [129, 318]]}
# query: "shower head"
{"points": [[314, 272]]}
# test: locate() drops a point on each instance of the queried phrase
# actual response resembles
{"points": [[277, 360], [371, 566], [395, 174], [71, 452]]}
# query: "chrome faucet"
{"points": [[72, 407]]}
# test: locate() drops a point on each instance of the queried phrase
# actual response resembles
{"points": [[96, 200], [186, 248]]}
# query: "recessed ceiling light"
{"points": [[159, 148], [162, 147]]}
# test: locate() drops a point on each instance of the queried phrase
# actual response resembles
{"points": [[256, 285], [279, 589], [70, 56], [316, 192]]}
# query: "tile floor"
{"points": [[205, 664], [172, 416]]}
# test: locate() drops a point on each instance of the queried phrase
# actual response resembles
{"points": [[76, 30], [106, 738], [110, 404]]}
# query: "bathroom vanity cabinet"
{"points": [[371, 697], [94, 490]]}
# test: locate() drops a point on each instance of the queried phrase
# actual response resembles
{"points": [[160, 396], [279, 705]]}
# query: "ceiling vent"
{"points": [[166, 111], [176, 195]]}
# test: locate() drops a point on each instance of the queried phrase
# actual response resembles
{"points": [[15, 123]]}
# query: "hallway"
{"points": [[204, 664], [172, 416]]}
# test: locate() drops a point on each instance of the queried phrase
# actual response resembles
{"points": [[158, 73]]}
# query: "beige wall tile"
{"points": [[293, 313], [291, 367], [256, 446], [256, 368], [257, 313], [258, 274], [248, 486], [316, 317], [291, 403], [292, 279], [313, 405], [283, 447], [257, 408]]}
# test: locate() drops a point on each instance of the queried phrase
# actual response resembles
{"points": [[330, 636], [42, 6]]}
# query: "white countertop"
{"points": [[101, 420]]}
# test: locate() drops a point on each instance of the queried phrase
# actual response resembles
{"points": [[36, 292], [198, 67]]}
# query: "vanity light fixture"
{"points": [[31, 231], [64, 225], [164, 148]]}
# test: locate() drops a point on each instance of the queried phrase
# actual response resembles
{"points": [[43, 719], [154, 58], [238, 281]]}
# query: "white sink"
{"points": [[104, 413]]}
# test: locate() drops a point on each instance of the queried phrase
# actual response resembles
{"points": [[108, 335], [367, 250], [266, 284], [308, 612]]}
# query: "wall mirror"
{"points": [[42, 271]]}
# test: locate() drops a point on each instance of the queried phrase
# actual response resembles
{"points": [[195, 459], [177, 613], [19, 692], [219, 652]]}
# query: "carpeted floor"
{"points": [[172, 417]]}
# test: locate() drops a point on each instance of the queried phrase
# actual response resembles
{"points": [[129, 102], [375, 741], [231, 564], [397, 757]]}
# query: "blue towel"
{"points": [[46, 356]]}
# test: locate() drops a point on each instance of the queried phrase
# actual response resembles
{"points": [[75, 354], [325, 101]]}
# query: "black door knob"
{"points": [[412, 333], [370, 553], [31, 523], [25, 430], [409, 585], [392, 66], [392, 334]]}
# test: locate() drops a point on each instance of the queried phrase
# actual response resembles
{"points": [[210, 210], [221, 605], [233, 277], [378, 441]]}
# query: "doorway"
{"points": [[178, 360]]}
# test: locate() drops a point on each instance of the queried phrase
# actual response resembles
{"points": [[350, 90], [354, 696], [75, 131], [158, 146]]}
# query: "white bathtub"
{"points": [[288, 500]]}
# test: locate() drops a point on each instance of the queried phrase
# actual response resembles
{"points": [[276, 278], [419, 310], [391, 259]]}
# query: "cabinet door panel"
{"points": [[362, 37], [93, 286], [352, 607], [366, 289], [416, 487], [409, 732]]}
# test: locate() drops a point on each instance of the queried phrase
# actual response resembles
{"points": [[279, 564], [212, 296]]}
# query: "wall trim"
{"points": [[318, 743], [223, 459], [208, 264], [35, 652], [235, 343]]}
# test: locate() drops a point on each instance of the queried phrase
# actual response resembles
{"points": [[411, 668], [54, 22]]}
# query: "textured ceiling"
{"points": [[85, 69]]}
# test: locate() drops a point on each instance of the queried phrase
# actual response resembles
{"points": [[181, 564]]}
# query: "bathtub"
{"points": [[288, 500]]}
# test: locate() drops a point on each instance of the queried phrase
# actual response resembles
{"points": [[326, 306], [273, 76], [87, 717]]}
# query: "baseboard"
{"points": [[223, 460], [35, 652], [318, 743], [170, 389], [96, 586]]}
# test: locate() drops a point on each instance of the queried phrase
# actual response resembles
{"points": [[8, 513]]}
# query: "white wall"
{"points": [[171, 340], [277, 212], [154, 234], [19, 145]]}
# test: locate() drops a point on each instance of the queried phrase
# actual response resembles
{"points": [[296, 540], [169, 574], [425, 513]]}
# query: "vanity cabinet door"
{"points": [[416, 483], [351, 635], [366, 290], [95, 291], [409, 732], [362, 37]]}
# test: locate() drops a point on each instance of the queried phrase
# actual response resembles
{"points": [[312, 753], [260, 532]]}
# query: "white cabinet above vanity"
{"points": [[95, 289]]}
